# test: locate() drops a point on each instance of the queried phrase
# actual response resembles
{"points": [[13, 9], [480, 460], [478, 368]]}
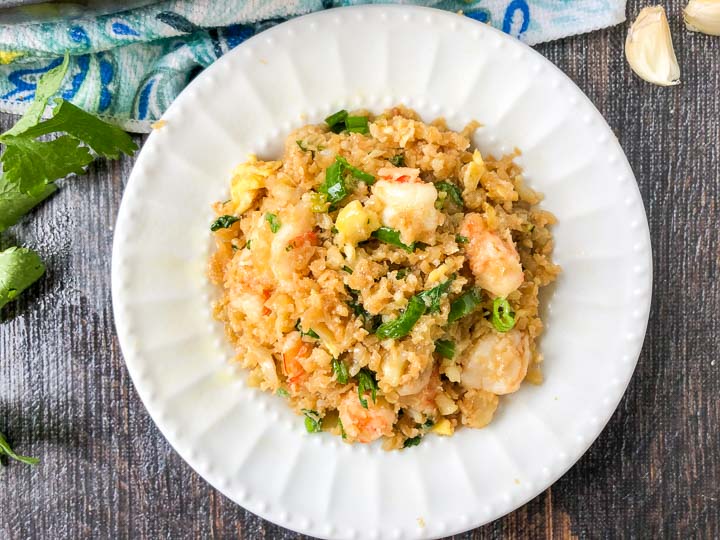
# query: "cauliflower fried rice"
{"points": [[383, 276]]}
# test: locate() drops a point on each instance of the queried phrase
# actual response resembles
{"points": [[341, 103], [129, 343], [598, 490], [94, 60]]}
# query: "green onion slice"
{"points": [[392, 237], [464, 304], [503, 317], [401, 326], [445, 348]]}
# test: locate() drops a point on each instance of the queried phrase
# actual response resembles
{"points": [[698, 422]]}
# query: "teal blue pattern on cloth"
{"points": [[129, 66]]}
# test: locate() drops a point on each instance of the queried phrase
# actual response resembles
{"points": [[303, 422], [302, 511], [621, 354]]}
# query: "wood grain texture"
{"points": [[654, 472]]}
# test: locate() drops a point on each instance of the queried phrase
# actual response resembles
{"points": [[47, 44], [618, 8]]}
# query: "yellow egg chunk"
{"points": [[355, 224], [248, 178]]}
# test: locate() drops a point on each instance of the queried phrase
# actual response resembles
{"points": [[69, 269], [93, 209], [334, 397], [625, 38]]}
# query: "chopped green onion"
{"points": [[413, 441], [432, 297], [302, 146], [357, 124], [334, 187], [340, 370], [397, 161], [460, 239], [336, 121], [223, 222], [452, 191], [347, 269], [445, 348], [392, 237], [428, 423], [318, 202], [274, 222], [311, 333], [248, 244], [366, 383], [503, 317], [401, 326], [282, 392], [402, 273], [313, 421], [368, 178], [464, 305]]}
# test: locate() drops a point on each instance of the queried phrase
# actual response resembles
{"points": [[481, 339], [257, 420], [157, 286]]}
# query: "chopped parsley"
{"points": [[223, 222], [274, 222]]}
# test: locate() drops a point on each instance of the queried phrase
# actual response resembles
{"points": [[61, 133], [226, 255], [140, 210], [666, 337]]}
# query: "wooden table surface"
{"points": [[654, 472]]}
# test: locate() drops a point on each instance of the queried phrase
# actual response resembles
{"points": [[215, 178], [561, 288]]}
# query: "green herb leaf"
{"points": [[357, 124], [223, 222], [19, 268], [29, 163], [361, 175], [347, 269], [105, 139], [392, 237], [366, 383], [47, 86], [402, 273], [340, 370], [445, 348], [282, 392], [334, 187], [464, 304], [432, 297], [336, 121], [401, 326], [460, 239], [413, 441], [398, 160], [370, 322], [14, 203], [274, 222], [313, 421], [453, 193], [6, 450], [428, 423], [503, 317], [311, 333]]}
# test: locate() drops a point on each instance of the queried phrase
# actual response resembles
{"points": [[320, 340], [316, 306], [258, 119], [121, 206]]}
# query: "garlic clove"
{"points": [[703, 16], [649, 49]]}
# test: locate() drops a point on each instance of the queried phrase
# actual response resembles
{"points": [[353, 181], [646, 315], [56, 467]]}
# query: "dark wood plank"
{"points": [[108, 473]]}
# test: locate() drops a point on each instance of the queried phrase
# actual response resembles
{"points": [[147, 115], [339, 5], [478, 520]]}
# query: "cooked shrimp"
{"points": [[409, 208], [292, 245], [294, 351], [493, 260], [497, 362], [365, 425], [399, 174]]}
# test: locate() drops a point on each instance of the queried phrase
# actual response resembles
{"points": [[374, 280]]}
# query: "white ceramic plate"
{"points": [[247, 443]]}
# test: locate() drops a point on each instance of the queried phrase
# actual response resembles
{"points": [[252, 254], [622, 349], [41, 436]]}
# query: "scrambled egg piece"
{"points": [[473, 172], [248, 179], [355, 223]]}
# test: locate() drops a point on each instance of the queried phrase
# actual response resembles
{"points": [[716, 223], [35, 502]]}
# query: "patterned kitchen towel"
{"points": [[129, 66]]}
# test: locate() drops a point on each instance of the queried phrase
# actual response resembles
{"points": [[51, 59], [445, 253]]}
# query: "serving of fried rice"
{"points": [[383, 276]]}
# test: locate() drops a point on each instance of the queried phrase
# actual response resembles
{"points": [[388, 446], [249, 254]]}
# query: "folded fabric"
{"points": [[129, 66]]}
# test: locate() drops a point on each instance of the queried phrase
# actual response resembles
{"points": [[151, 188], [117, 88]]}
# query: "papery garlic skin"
{"points": [[703, 16], [649, 49]]}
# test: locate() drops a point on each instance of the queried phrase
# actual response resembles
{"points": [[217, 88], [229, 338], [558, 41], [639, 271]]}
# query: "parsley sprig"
{"points": [[32, 163]]}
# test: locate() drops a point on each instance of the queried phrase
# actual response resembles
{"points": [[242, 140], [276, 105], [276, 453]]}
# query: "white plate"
{"points": [[247, 443]]}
